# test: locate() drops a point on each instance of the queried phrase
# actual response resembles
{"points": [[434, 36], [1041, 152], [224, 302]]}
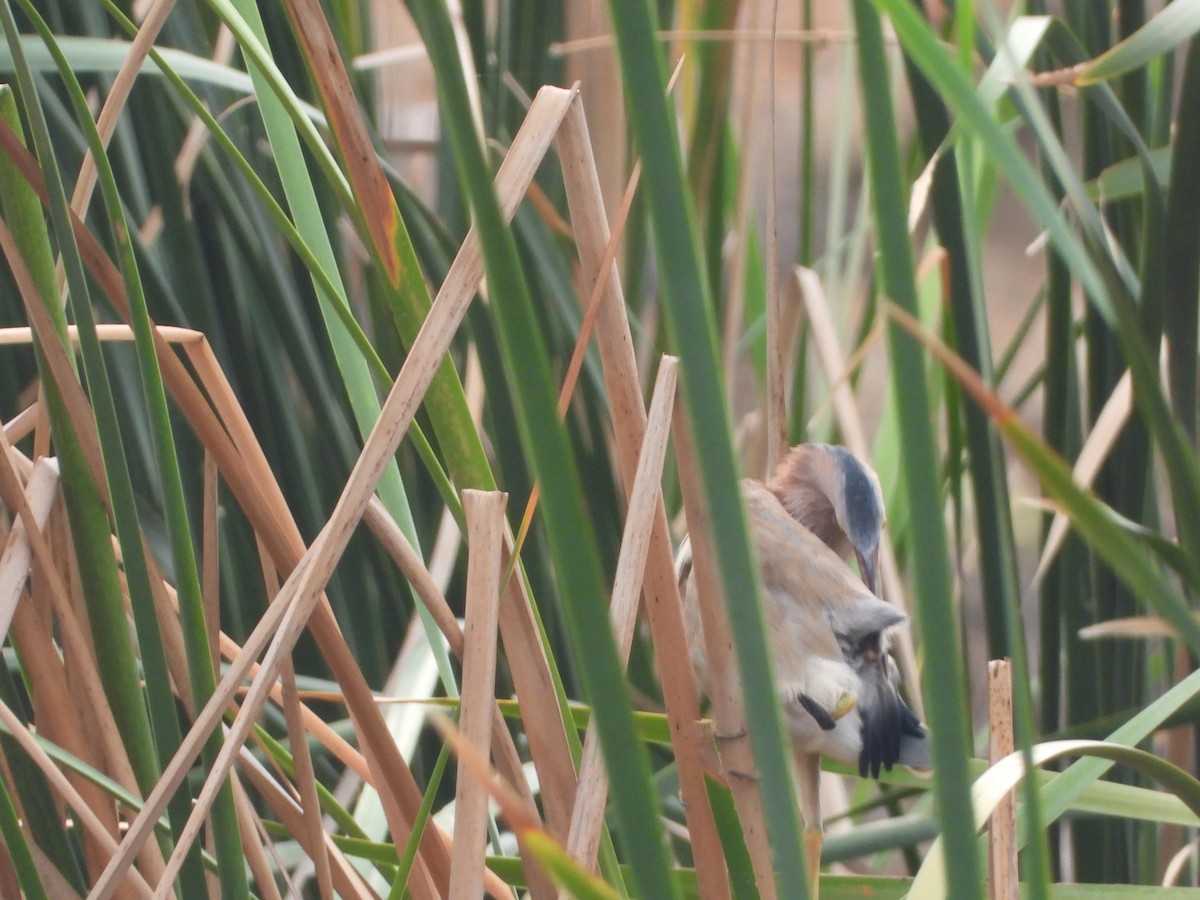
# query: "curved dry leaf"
{"points": [[1096, 448]]}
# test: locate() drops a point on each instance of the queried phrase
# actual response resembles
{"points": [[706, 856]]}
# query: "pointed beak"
{"points": [[868, 567]]}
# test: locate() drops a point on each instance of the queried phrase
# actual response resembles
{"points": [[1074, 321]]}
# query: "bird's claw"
{"points": [[844, 706], [729, 735]]}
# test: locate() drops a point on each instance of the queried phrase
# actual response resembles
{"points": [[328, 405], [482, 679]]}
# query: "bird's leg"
{"points": [[808, 770]]}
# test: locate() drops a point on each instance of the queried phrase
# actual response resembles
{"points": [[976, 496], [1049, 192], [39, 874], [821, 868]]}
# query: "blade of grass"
{"points": [[17, 848], [1181, 280], [943, 678], [1176, 23], [1001, 778]]}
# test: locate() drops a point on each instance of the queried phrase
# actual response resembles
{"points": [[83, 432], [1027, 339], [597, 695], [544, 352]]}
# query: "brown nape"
{"points": [[802, 482]]}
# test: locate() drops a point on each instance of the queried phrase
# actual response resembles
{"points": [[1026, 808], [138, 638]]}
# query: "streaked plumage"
{"points": [[827, 629]]}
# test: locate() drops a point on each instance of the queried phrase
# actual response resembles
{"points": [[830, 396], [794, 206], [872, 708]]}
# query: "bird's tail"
{"points": [[914, 742]]}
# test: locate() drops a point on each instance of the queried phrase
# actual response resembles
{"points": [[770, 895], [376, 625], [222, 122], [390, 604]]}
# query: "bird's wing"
{"points": [[797, 572]]}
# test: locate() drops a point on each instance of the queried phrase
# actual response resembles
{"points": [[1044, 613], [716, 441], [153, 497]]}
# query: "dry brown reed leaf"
{"points": [[623, 387], [1131, 627], [584, 839], [58, 722], [236, 473], [79, 411], [215, 438], [484, 511], [32, 632], [311, 835], [18, 553], [337, 745], [579, 352], [937, 259], [210, 561], [94, 828], [645, 495], [824, 336], [20, 425], [477, 767], [776, 419], [169, 628], [987, 399], [194, 141], [56, 884], [345, 879], [264, 506], [546, 209], [545, 723], [1109, 425], [750, 63], [105, 332], [376, 209], [596, 297], [87, 729], [1059, 78], [725, 688], [575, 365], [282, 536], [118, 93], [393, 540], [256, 842], [474, 765]]}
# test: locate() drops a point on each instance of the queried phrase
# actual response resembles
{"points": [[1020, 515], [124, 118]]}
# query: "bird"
{"points": [[827, 629]]}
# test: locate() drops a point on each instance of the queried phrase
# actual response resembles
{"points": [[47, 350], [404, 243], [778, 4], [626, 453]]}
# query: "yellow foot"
{"points": [[845, 703]]}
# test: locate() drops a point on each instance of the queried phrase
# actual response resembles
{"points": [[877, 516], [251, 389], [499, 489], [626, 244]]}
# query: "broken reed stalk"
{"points": [[1003, 883], [484, 512]]}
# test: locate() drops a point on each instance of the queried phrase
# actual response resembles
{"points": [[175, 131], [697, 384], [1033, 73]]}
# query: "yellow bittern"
{"points": [[827, 629]]}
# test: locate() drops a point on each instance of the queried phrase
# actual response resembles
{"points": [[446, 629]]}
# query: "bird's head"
{"points": [[828, 491]]}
